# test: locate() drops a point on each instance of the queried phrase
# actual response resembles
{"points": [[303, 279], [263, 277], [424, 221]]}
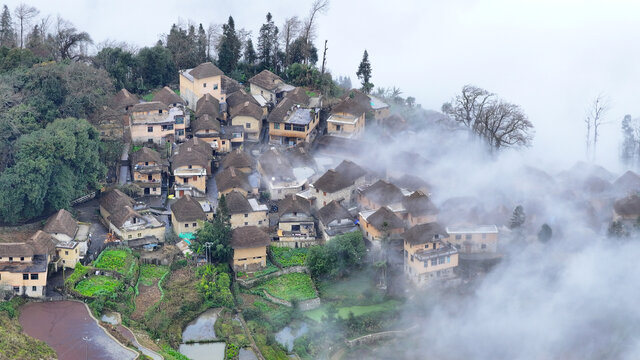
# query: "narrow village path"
{"points": [[124, 165], [126, 332], [255, 348]]}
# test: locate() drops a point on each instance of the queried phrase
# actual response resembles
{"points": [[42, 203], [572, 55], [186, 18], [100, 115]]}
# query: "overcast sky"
{"points": [[549, 56]]}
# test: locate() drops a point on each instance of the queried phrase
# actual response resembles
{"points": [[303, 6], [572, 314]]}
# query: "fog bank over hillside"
{"points": [[570, 298]]}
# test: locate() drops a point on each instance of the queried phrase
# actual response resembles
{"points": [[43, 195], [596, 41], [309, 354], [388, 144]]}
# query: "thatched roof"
{"points": [[61, 223], [187, 209], [167, 97], [249, 237]]}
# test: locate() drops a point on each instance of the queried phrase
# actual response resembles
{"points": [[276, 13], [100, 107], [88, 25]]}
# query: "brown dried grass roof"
{"points": [[146, 154], [293, 204], [239, 97], [228, 85], [120, 216], [247, 108], [149, 106], [205, 122], [167, 97], [237, 158], [628, 206], [279, 113], [205, 70], [61, 222], [122, 99], [187, 209], [249, 237], [349, 106], [298, 96], [333, 211], [192, 152], [275, 164], [383, 193], [114, 200], [231, 178], [423, 233], [385, 218], [339, 178], [266, 80], [237, 203], [208, 104], [419, 204]]}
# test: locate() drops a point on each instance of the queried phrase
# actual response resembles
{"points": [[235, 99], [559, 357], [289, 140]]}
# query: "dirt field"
{"points": [[149, 295]]}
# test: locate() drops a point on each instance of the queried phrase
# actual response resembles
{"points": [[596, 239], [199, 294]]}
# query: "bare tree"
{"points": [[69, 43], [214, 31], [290, 30], [498, 122], [318, 7], [24, 13], [593, 120]]}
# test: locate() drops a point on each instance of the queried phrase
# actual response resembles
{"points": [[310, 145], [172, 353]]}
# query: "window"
{"points": [[411, 258], [276, 125], [190, 166], [139, 234], [247, 125], [160, 111], [129, 237], [246, 223], [426, 246], [246, 215], [441, 260], [33, 288], [337, 127], [215, 87], [298, 128], [448, 259], [66, 252], [180, 132], [179, 119], [10, 258], [194, 225], [287, 126], [204, 85], [242, 259], [186, 225], [149, 128], [483, 246], [295, 227], [34, 276], [467, 237], [224, 142], [434, 262], [16, 289], [25, 276], [185, 180], [458, 237], [195, 178], [259, 222]]}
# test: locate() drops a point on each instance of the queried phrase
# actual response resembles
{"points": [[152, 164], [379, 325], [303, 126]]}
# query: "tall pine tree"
{"points": [[249, 53], [364, 73], [7, 33], [229, 47], [268, 44]]}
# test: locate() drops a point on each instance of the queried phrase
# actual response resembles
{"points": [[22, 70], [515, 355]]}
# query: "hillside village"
{"points": [[261, 220]]}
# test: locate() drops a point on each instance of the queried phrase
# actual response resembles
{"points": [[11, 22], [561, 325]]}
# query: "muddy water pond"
{"points": [[290, 333], [70, 330], [203, 351], [201, 329], [246, 354]]}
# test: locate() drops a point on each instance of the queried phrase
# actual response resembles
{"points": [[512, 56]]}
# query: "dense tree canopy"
{"points": [[52, 166], [214, 238], [340, 256]]}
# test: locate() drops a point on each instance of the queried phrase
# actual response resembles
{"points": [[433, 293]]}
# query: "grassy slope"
{"points": [[291, 286], [94, 284]]}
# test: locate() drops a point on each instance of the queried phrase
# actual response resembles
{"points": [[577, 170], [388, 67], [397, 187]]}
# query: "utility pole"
{"points": [[324, 57], [208, 246]]}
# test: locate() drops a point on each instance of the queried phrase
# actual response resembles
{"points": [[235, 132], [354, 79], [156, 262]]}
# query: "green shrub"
{"points": [[98, 285], [232, 351], [290, 286], [288, 257]]}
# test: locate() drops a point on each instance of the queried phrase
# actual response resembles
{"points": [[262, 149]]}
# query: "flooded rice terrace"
{"points": [[70, 330]]}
